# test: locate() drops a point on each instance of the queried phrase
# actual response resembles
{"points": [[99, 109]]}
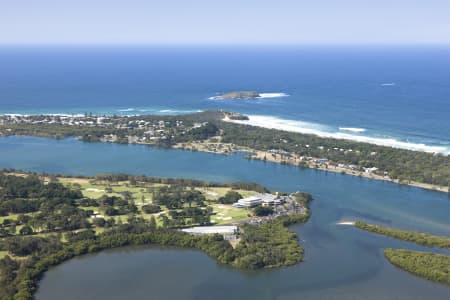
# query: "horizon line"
{"points": [[224, 45]]}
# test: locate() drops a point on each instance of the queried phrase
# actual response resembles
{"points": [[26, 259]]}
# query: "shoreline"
{"points": [[344, 133], [260, 155], [220, 132], [220, 148], [295, 160]]}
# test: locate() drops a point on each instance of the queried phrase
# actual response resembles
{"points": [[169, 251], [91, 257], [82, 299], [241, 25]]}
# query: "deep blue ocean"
{"points": [[397, 96]]}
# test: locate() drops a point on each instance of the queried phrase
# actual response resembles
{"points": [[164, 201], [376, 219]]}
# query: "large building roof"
{"points": [[211, 229]]}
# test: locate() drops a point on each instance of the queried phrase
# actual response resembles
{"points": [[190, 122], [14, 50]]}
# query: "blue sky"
{"points": [[224, 22]]}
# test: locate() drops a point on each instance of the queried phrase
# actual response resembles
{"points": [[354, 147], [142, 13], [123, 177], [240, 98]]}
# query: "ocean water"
{"points": [[396, 96]]}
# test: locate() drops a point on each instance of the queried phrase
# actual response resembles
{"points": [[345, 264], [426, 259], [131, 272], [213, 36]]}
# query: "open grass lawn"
{"points": [[215, 193], [95, 191], [9, 217], [227, 214], [13, 216]]}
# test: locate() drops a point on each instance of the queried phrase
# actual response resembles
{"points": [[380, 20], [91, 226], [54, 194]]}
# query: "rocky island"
{"points": [[237, 95]]}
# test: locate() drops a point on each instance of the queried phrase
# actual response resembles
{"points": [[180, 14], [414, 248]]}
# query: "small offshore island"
{"points": [[48, 219], [237, 95], [246, 95]]}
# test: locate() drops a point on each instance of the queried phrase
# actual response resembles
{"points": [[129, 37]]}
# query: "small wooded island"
{"points": [[48, 219], [432, 266]]}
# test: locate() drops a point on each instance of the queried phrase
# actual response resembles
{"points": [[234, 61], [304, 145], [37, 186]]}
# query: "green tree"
{"points": [[26, 230], [152, 223], [230, 197], [261, 211]]}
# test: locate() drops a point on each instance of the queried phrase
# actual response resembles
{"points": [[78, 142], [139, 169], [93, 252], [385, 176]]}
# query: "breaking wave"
{"points": [[273, 95], [261, 96], [326, 131], [352, 129], [156, 111]]}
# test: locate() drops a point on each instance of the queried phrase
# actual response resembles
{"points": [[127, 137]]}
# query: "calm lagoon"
{"points": [[341, 262]]}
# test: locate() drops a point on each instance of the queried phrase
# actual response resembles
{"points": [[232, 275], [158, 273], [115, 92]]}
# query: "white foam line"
{"points": [[156, 111], [352, 129], [272, 95], [132, 111], [261, 96], [44, 114], [178, 111], [345, 223], [323, 131]]}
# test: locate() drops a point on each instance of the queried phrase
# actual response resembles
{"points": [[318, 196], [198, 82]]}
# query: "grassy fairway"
{"points": [[224, 214], [227, 214], [3, 254], [9, 217], [142, 196]]}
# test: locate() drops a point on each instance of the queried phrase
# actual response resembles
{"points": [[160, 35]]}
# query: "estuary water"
{"points": [[341, 262]]}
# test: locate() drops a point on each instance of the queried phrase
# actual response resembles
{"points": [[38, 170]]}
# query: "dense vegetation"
{"points": [[404, 165], [434, 267], [121, 128], [262, 211], [267, 245], [67, 231], [419, 238], [230, 197]]}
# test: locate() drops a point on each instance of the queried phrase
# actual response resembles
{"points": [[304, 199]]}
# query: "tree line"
{"points": [[403, 165], [431, 266], [420, 238]]}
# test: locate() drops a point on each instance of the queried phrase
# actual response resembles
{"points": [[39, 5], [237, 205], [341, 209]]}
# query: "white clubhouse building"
{"points": [[257, 200]]}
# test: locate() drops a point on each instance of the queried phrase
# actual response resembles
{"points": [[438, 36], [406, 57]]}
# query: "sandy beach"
{"points": [[345, 133], [347, 223]]}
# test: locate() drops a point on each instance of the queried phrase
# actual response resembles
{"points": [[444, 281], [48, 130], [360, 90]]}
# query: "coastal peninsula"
{"points": [[48, 219], [213, 131]]}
